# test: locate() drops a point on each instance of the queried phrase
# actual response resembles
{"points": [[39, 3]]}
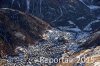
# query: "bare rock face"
{"points": [[19, 29]]}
